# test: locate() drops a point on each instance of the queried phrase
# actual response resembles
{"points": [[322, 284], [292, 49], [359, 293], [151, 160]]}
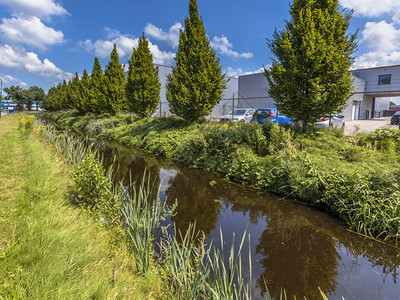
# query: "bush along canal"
{"points": [[293, 247]]}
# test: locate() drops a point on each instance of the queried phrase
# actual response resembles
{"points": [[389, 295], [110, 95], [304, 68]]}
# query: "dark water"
{"points": [[293, 246]]}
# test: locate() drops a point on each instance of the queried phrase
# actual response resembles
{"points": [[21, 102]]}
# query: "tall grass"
{"points": [[227, 280], [142, 217]]}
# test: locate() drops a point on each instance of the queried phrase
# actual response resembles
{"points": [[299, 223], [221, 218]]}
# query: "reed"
{"points": [[186, 263], [227, 281], [142, 216]]}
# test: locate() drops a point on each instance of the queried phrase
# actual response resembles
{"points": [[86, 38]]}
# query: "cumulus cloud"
{"points": [[171, 37], [125, 44], [30, 31], [222, 45], [38, 8], [29, 62], [382, 39], [8, 79], [373, 8]]}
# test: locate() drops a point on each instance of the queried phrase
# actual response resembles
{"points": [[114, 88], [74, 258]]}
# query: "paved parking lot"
{"points": [[357, 126]]}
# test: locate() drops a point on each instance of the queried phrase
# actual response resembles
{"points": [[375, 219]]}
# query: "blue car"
{"points": [[262, 115]]}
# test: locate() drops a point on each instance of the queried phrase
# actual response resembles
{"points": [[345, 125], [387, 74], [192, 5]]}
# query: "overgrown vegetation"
{"points": [[48, 248], [356, 177]]}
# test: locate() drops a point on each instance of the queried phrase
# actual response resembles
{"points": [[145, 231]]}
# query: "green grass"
{"points": [[48, 248], [356, 178]]}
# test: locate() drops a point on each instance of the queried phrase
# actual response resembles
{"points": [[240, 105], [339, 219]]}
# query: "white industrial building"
{"points": [[373, 90], [220, 109], [373, 87]]}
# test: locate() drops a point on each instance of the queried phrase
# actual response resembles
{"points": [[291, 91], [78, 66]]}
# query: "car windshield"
{"points": [[262, 113], [238, 112], [397, 113]]}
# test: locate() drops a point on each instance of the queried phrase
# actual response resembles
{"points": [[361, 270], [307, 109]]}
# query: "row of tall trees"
{"points": [[109, 91], [308, 79], [25, 96], [193, 89]]}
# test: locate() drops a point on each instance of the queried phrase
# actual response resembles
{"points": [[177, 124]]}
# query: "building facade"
{"points": [[373, 89]]}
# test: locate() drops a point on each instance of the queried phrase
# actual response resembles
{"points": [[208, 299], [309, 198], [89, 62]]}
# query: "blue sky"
{"points": [[45, 41]]}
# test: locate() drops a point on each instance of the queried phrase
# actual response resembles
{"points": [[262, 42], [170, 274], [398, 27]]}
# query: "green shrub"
{"points": [[93, 188]]}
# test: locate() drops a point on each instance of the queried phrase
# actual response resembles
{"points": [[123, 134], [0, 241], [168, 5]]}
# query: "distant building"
{"points": [[373, 89], [220, 109]]}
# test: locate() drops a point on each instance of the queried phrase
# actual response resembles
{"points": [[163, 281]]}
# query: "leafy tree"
{"points": [[113, 87], [143, 86], [15, 94], [309, 78], [37, 96], [196, 83]]}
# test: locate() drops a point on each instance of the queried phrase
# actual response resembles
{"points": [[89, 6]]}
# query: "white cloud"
{"points": [[223, 45], [383, 41], [171, 37], [38, 8], [7, 79], [29, 62], [30, 31], [125, 45], [231, 72], [373, 8]]}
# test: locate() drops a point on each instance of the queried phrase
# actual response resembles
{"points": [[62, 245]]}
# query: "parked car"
{"points": [[395, 118], [262, 115], [337, 121], [238, 115]]}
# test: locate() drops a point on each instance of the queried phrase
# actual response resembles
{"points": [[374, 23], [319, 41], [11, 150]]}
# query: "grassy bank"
{"points": [[357, 178], [48, 248]]}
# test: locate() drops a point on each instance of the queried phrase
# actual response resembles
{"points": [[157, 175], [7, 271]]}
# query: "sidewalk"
{"points": [[358, 126]]}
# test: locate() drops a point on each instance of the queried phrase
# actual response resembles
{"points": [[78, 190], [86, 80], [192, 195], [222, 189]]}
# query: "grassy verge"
{"points": [[48, 248], [357, 178]]}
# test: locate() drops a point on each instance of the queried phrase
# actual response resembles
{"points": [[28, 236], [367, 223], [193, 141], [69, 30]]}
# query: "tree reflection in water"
{"points": [[298, 248]]}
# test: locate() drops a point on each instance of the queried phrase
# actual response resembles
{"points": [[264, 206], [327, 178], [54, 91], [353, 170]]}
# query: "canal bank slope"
{"points": [[357, 178], [48, 248]]}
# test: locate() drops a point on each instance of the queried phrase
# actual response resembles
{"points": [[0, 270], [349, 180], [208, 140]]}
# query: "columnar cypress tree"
{"points": [[96, 96], [196, 83], [114, 100], [72, 97], [309, 78], [83, 104], [143, 86]]}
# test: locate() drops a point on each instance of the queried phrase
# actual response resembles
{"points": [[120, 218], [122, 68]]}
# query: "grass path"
{"points": [[48, 248]]}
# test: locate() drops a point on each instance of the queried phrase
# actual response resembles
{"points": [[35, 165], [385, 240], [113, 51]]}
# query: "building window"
{"points": [[385, 79]]}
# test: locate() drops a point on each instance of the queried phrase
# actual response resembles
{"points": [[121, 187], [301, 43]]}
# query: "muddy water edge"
{"points": [[295, 247]]}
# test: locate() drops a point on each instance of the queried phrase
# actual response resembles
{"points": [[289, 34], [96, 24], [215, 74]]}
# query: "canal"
{"points": [[293, 246]]}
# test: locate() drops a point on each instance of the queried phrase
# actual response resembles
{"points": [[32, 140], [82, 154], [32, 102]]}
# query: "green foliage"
{"points": [[25, 97], [322, 168], [142, 217], [96, 97], [72, 93], [82, 102], [196, 83], [93, 188], [309, 78], [113, 86], [143, 86]]}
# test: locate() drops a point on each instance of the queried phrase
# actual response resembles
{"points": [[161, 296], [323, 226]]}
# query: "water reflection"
{"points": [[294, 247]]}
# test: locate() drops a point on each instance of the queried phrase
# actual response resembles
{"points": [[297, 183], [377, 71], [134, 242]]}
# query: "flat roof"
{"points": [[375, 68]]}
